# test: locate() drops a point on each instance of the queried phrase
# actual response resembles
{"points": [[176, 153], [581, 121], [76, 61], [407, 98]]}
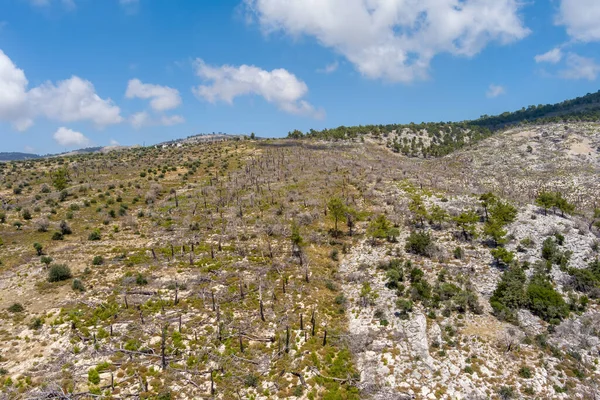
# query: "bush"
{"points": [[57, 236], [26, 214], [46, 260], [141, 279], [95, 235], [525, 373], [404, 307], [16, 308], [509, 295], [36, 323], [506, 392], [65, 229], [459, 253], [59, 272], [544, 301], [419, 243], [94, 376], [38, 248], [251, 380], [78, 285], [381, 228], [98, 260]]}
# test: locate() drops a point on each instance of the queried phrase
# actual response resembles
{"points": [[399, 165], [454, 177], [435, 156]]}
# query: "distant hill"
{"points": [[15, 156], [435, 139], [585, 108]]}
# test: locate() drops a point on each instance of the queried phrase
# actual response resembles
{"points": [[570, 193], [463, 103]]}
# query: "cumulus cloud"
{"points": [[580, 18], [144, 119], [578, 67], [162, 97], [495, 91], [139, 119], [13, 93], [553, 56], [168, 120], [395, 39], [74, 99], [280, 87], [69, 138]]}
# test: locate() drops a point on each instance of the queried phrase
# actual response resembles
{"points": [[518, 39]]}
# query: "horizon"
{"points": [[162, 72]]}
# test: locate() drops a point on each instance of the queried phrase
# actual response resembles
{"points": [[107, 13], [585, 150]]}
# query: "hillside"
{"points": [[305, 269], [12, 156], [439, 139]]}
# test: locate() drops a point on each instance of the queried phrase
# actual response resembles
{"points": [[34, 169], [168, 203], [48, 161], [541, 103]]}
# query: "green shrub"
{"points": [[404, 307], [59, 272], [26, 214], [525, 373], [57, 236], [509, 295], [98, 260], [95, 235], [459, 253], [503, 256], [78, 285], [46, 260], [506, 392], [381, 228], [38, 248], [251, 380], [419, 243], [16, 308], [65, 229], [544, 301], [141, 279], [36, 323], [94, 376]]}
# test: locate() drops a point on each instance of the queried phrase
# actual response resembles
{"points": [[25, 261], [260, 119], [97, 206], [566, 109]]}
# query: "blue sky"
{"points": [[77, 73]]}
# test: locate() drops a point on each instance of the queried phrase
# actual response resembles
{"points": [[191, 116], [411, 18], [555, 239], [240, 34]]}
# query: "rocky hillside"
{"points": [[289, 269]]}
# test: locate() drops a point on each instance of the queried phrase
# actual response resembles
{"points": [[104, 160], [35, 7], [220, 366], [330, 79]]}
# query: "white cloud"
{"points": [[70, 100], [140, 119], [168, 120], [580, 18], [70, 138], [579, 67], [553, 56], [278, 86], [13, 94], [395, 39], [495, 91], [143, 119], [162, 97], [330, 68], [113, 142]]}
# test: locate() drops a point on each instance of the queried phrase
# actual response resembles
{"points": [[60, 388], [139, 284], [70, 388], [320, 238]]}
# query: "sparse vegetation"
{"points": [[272, 268]]}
